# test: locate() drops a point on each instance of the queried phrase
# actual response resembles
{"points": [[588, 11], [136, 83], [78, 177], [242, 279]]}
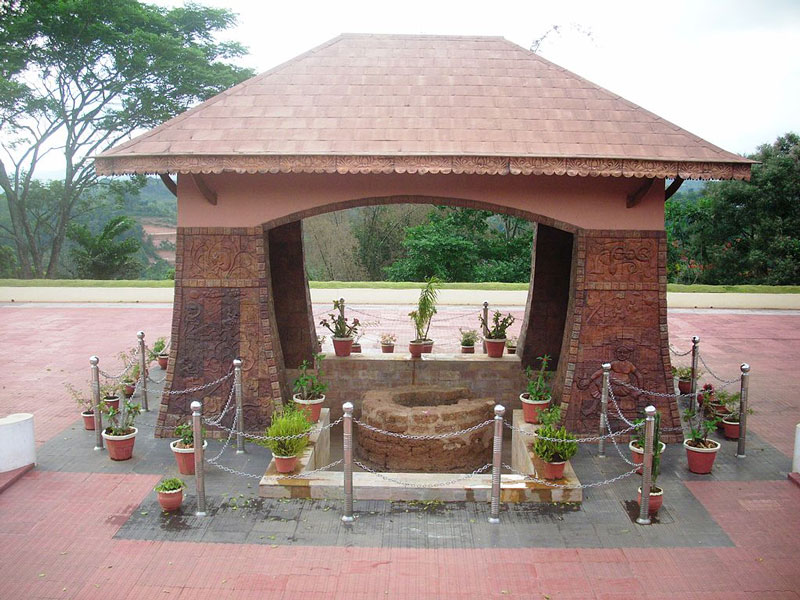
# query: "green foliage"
{"points": [[699, 426], [158, 347], [309, 385], [538, 386], [82, 400], [172, 484], [684, 373], [185, 432], [468, 337], [287, 423], [121, 421], [103, 256], [500, 325], [426, 308], [8, 262], [560, 445], [338, 324]]}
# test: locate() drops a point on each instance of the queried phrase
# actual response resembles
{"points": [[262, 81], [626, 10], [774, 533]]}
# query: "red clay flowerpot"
{"points": [[128, 390], [120, 447], [312, 408], [163, 361], [495, 348], [656, 500], [637, 454], [731, 430], [701, 460], [170, 500], [112, 402], [342, 346], [427, 347], [285, 464], [467, 349], [531, 408], [355, 348], [415, 348], [684, 386], [185, 457], [387, 348], [88, 420], [553, 470]]}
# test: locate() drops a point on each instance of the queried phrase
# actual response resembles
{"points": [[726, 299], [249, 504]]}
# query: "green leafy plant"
{"points": [[538, 387], [338, 324], [185, 432], [699, 428], [121, 421], [426, 308], [158, 347], [560, 444], [82, 400], [284, 424], [173, 484], [469, 337], [683, 373], [500, 325], [511, 342], [309, 385]]}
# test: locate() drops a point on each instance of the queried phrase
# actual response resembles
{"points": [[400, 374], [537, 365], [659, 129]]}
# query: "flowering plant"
{"points": [[388, 339], [338, 324]]}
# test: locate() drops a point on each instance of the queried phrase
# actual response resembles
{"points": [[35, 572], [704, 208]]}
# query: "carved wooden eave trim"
{"points": [[480, 165]]}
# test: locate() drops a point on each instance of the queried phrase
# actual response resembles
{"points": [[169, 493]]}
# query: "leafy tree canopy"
{"points": [[104, 256]]}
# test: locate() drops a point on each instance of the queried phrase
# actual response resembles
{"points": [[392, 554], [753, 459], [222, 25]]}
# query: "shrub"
{"points": [[285, 424]]}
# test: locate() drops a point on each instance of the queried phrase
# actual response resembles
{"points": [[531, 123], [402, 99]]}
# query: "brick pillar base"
{"points": [[222, 310], [617, 313]]}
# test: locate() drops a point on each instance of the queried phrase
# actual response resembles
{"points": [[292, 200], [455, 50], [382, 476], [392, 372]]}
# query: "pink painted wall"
{"points": [[586, 202]]}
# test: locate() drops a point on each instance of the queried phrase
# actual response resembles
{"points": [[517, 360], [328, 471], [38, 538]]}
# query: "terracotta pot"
{"points": [[730, 429], [170, 500], [312, 408], [511, 349], [128, 390], [342, 346], [467, 349], [185, 457], [163, 361], [532, 408], [427, 347], [553, 470], [637, 454], [355, 348], [387, 348], [701, 460], [416, 349], [120, 447], [684, 386], [112, 402], [656, 500], [88, 420], [495, 348], [285, 464]]}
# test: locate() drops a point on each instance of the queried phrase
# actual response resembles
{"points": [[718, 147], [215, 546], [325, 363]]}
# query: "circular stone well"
{"points": [[425, 410]]}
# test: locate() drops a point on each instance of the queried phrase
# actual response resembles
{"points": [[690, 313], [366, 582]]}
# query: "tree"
{"points": [[85, 74], [103, 256], [379, 231]]}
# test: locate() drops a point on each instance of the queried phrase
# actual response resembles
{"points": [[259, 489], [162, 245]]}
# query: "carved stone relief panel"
{"points": [[630, 260]]}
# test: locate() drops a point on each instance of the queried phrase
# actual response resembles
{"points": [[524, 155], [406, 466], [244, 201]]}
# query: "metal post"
{"points": [[695, 356], [98, 417], [740, 449], [199, 457], [601, 443], [237, 389], [647, 474], [143, 370], [347, 439], [497, 458], [485, 324]]}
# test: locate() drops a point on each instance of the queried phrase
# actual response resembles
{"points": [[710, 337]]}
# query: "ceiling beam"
{"points": [[170, 183], [636, 197], [673, 187], [209, 194]]}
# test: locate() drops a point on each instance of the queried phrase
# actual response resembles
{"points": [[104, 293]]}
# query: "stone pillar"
{"points": [[222, 310], [617, 313], [546, 312], [291, 295]]}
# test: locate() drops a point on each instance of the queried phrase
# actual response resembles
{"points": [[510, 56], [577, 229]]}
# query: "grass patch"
{"points": [[735, 289], [92, 283], [405, 285]]}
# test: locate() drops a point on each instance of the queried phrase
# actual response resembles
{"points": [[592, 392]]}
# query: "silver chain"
{"points": [[253, 436], [648, 392], [587, 440], [714, 375], [477, 471], [301, 475], [227, 441], [198, 388], [439, 436], [156, 381], [616, 446], [616, 407], [676, 353], [549, 483], [218, 420]]}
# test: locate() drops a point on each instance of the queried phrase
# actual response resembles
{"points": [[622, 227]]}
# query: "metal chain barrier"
{"points": [[648, 392], [616, 408], [439, 436], [216, 422], [191, 390], [587, 440], [253, 436], [676, 353], [477, 471], [714, 375], [616, 446], [549, 483]]}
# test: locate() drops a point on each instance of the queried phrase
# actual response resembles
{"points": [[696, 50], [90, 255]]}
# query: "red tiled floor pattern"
{"points": [[56, 529]]}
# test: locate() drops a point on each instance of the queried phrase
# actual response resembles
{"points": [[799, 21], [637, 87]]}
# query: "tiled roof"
{"points": [[390, 103]]}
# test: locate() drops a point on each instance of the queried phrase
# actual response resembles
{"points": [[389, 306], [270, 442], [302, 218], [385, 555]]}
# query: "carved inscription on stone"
{"points": [[220, 257], [632, 260]]}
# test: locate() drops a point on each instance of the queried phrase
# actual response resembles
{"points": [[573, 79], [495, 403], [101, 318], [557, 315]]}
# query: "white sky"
{"points": [[726, 70]]}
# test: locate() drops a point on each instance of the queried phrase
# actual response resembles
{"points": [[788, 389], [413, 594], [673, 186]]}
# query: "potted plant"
{"points": [[730, 420], [700, 451], [154, 353], [536, 397], [163, 360], [183, 448], [422, 316], [342, 331], [285, 425], [356, 347], [656, 493], [684, 376], [120, 434], [553, 445], [469, 337], [511, 345], [495, 336], [636, 445], [108, 392], [86, 405], [309, 390], [706, 395], [387, 342], [128, 386], [170, 493]]}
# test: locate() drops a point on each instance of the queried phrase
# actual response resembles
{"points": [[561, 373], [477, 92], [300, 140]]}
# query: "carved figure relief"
{"points": [[622, 369]]}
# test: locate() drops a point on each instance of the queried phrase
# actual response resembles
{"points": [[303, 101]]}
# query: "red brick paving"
{"points": [[56, 529]]}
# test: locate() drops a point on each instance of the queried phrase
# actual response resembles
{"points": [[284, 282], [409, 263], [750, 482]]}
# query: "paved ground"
{"points": [[80, 526]]}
